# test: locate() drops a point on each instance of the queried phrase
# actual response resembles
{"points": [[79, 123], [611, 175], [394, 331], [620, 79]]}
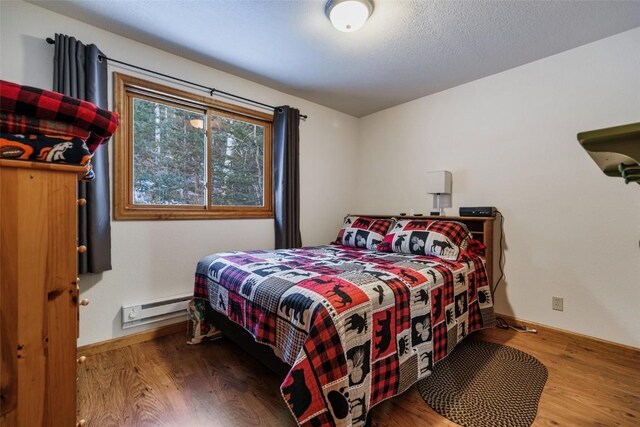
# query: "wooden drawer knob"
{"points": [[82, 249], [82, 202], [84, 302], [81, 423], [82, 359]]}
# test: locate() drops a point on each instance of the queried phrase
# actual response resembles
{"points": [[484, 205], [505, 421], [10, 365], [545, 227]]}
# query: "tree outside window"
{"points": [[182, 156]]}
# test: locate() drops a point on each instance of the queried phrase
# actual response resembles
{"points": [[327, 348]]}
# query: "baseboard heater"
{"points": [[155, 311]]}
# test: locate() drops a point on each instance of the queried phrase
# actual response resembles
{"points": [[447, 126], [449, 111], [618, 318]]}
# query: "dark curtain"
{"points": [[286, 176], [78, 72]]}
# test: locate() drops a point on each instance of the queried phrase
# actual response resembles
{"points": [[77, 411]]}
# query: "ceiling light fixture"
{"points": [[197, 123], [348, 15]]}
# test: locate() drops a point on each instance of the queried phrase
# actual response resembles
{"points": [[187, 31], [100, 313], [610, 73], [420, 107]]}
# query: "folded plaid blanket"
{"points": [[20, 124], [49, 105]]}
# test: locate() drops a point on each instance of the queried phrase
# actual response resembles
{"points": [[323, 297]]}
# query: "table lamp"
{"points": [[439, 183]]}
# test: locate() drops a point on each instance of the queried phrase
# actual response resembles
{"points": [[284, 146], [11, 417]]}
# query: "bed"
{"points": [[351, 324]]}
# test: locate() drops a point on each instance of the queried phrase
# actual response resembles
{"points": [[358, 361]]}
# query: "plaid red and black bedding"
{"points": [[20, 124], [357, 326], [38, 103]]}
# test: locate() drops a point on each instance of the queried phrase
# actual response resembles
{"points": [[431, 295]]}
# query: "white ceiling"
{"points": [[407, 49]]}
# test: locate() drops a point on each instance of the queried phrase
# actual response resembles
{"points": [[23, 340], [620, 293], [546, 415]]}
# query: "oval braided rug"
{"points": [[483, 384]]}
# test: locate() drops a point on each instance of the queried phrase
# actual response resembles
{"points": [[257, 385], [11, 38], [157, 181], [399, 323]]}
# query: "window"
{"points": [[183, 156]]}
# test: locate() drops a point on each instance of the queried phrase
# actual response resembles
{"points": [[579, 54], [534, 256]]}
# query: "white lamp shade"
{"points": [[349, 15], [439, 182]]}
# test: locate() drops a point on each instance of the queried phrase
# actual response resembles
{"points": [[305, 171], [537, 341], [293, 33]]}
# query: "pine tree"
{"points": [[238, 162], [170, 156]]}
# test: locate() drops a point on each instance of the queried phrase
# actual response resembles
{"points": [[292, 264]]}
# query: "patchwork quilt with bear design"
{"points": [[356, 326]]}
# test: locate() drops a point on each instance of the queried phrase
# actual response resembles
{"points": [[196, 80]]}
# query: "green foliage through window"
{"points": [[168, 155], [237, 161], [180, 155]]}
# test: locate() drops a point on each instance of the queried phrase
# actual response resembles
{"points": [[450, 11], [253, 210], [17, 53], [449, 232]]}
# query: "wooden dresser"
{"points": [[38, 293]]}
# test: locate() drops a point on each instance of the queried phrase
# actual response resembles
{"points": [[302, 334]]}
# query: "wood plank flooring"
{"points": [[168, 383]]}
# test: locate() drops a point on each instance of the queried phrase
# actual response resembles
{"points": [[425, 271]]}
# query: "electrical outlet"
{"points": [[556, 303]]}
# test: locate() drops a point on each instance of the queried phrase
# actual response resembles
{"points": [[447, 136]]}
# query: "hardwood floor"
{"points": [[168, 383]]}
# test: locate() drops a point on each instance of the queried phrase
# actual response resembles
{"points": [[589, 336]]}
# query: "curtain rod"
{"points": [[211, 90]]}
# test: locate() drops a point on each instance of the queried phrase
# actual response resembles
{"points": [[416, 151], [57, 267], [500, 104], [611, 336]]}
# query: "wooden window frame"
{"points": [[126, 88]]}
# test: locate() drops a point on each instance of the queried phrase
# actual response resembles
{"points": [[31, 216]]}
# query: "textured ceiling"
{"points": [[408, 49]]}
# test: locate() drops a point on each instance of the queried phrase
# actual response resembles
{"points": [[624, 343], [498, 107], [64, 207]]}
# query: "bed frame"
{"points": [[480, 227]]}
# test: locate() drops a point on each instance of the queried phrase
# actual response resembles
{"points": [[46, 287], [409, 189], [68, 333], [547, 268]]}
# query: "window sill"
{"points": [[187, 214]]}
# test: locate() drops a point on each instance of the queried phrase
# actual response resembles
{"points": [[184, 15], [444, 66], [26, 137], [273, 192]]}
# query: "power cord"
{"points": [[500, 260], [502, 324]]}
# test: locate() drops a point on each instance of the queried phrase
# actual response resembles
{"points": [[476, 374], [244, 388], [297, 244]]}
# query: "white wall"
{"points": [[510, 141], [156, 259]]}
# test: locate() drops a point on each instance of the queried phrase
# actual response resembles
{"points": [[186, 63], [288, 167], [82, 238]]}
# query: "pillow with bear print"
{"points": [[444, 239], [363, 232]]}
